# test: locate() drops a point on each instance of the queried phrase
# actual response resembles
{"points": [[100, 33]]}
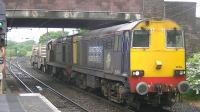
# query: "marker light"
{"points": [[1, 24], [137, 73], [179, 72]]}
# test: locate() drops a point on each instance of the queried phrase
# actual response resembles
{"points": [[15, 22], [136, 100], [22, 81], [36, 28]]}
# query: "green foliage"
{"points": [[29, 53], [22, 52], [82, 31], [51, 35], [19, 49], [193, 71], [193, 76], [191, 95]]}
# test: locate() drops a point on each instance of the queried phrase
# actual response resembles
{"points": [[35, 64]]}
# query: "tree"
{"points": [[82, 31], [51, 35], [19, 49], [193, 71], [22, 52]]}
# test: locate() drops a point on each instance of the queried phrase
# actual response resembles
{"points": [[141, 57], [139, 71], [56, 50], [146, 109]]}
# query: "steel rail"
{"points": [[12, 72], [47, 86]]}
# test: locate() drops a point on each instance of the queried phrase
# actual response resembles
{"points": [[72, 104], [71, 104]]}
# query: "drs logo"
{"points": [[95, 54]]}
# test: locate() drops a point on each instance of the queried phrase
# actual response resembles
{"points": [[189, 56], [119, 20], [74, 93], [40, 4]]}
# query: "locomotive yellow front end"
{"points": [[157, 58]]}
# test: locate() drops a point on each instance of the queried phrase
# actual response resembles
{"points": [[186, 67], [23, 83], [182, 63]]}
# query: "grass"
{"points": [[29, 53], [191, 96]]}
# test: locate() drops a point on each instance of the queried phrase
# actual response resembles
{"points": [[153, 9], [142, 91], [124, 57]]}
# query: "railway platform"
{"points": [[29, 102]]}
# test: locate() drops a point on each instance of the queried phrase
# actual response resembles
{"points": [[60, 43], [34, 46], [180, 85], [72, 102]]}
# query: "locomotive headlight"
{"points": [[1, 24], [179, 72], [137, 73]]}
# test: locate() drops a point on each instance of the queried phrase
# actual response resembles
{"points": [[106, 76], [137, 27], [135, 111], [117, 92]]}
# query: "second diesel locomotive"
{"points": [[137, 62]]}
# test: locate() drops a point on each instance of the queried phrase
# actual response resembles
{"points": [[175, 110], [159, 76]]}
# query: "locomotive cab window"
{"points": [[140, 38], [174, 38]]}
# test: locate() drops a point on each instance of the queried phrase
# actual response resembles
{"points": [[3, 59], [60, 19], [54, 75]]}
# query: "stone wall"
{"points": [[197, 25], [78, 5], [153, 8], [184, 13]]}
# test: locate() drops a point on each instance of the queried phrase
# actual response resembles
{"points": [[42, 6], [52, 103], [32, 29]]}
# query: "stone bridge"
{"points": [[71, 13]]}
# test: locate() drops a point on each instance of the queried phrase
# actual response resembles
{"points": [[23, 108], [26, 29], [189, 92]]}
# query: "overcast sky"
{"points": [[23, 34]]}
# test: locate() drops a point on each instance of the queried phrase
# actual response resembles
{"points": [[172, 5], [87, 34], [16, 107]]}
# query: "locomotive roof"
{"points": [[112, 29]]}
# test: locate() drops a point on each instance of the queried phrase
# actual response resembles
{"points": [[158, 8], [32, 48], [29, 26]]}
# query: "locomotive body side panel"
{"points": [[59, 53], [82, 53], [69, 50]]}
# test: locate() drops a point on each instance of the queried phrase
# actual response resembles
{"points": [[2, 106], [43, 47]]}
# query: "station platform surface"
{"points": [[31, 102]]}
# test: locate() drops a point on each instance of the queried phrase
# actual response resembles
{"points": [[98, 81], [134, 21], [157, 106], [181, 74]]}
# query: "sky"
{"points": [[23, 34]]}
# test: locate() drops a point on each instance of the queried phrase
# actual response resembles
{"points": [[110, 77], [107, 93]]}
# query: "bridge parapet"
{"points": [[85, 13], [77, 5], [67, 14]]}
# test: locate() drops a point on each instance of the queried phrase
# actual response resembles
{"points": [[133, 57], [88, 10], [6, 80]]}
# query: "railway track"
{"points": [[178, 107], [32, 84], [91, 101], [81, 96]]}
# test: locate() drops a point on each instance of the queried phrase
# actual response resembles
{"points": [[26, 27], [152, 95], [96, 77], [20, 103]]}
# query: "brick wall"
{"points": [[83, 5], [182, 12], [153, 8]]}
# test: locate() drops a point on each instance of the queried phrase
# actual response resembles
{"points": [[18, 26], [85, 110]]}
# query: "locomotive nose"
{"points": [[183, 86]]}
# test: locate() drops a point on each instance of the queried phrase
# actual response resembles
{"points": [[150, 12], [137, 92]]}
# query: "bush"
{"points": [[193, 71], [22, 52], [191, 95]]}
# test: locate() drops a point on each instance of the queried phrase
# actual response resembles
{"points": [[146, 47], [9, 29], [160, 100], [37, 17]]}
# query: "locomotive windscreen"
{"points": [[174, 38], [141, 38]]}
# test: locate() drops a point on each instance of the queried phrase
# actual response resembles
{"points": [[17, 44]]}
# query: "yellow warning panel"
{"points": [[75, 50]]}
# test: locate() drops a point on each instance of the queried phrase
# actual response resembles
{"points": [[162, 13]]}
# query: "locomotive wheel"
{"points": [[33, 65], [104, 88], [109, 91], [81, 81], [132, 101], [41, 67]]}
